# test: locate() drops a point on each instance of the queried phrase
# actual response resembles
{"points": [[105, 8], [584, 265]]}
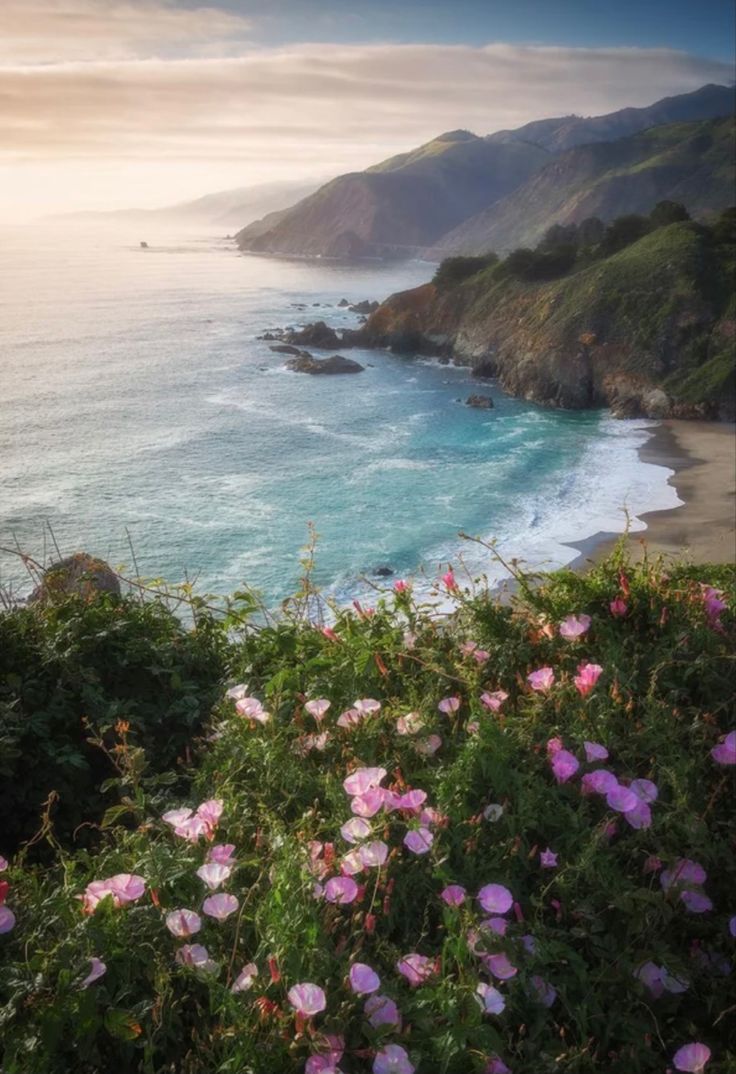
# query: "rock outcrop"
{"points": [[335, 364], [479, 402], [79, 574]]}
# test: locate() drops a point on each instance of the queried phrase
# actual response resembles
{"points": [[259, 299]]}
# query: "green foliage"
{"points": [[662, 703], [668, 212], [73, 670], [454, 270]]}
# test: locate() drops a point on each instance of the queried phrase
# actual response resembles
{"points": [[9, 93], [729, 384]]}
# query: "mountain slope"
{"points": [[401, 205], [648, 330], [559, 134], [687, 162]]}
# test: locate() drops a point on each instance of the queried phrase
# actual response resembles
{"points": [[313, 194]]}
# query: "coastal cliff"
{"points": [[648, 330]]}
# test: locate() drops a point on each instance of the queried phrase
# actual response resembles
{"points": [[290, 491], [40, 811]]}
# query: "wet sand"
{"points": [[703, 528]]}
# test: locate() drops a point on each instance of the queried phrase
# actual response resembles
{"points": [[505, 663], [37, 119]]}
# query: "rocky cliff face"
{"points": [[648, 331]]}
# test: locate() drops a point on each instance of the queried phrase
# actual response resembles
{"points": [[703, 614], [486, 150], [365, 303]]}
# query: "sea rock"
{"points": [[480, 402], [364, 307], [383, 572], [336, 363], [285, 348], [79, 574], [343, 303], [315, 335]]}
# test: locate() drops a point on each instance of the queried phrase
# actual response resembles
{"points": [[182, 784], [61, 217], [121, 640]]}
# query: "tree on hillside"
{"points": [[668, 212], [623, 231]]}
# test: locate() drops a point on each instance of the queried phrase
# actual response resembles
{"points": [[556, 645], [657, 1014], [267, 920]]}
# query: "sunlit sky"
{"points": [[109, 104]]}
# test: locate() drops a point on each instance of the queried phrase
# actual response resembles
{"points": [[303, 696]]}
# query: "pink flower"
{"points": [[373, 855], [412, 800], [494, 700], [416, 968], [235, 693], [392, 1059], [341, 890], [621, 799], [367, 706], [409, 724], [684, 871], [363, 980], [250, 708], [124, 888], [183, 923], [587, 677], [400, 586], [495, 899], [196, 957], [317, 709], [3, 864], [541, 679], [307, 999], [696, 902], [564, 765], [547, 859], [350, 863], [618, 608], [595, 752], [220, 907], [213, 875], [732, 925], [382, 1011], [645, 790], [725, 752], [600, 781], [244, 981], [692, 1058], [453, 895], [350, 718], [429, 746], [490, 999], [97, 969], [368, 803], [419, 840], [362, 780], [7, 919], [222, 854], [639, 817], [496, 1065], [543, 992], [713, 604], [574, 627], [448, 705], [356, 829], [500, 967], [449, 582]]}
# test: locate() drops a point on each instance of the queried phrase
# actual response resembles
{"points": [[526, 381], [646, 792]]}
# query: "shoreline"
{"points": [[702, 529]]}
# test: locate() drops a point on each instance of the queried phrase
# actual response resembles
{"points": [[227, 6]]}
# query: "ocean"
{"points": [[138, 406]]}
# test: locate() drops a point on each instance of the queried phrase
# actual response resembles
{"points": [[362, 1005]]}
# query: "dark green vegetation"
{"points": [[662, 703], [638, 314], [461, 194]]}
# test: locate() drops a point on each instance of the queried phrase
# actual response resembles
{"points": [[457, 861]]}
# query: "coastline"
{"points": [[702, 529]]}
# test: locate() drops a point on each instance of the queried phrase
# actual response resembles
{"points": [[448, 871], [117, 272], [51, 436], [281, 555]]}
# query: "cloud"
{"points": [[51, 31], [327, 100]]}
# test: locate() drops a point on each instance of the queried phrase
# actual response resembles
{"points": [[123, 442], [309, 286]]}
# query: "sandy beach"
{"points": [[703, 529]]}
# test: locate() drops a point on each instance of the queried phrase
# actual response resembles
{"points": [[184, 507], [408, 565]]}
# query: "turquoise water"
{"points": [[136, 397]]}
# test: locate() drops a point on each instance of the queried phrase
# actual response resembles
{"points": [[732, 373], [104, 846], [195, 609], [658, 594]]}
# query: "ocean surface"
{"points": [[136, 399]]}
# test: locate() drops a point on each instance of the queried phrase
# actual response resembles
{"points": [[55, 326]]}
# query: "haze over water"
{"points": [[136, 396]]}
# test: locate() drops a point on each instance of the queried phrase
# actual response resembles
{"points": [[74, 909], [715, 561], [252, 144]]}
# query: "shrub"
{"points": [[453, 270], [69, 672], [598, 960]]}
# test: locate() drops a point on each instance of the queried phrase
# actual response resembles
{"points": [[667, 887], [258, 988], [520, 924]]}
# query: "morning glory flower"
{"points": [[318, 708], [409, 724], [725, 752], [213, 874], [196, 957], [495, 899], [252, 709], [684, 871], [245, 978], [373, 855], [696, 902], [355, 830], [416, 968], [587, 677], [541, 679], [645, 790], [496, 1065], [222, 854], [124, 888], [564, 765], [307, 999], [382, 1011], [183, 923], [411, 800], [494, 699], [500, 967], [622, 799], [429, 746], [392, 1059], [367, 706], [595, 752], [97, 969], [692, 1058], [618, 607], [341, 890], [547, 859], [418, 840], [448, 705], [7, 919], [453, 895], [363, 980], [3, 864], [490, 999], [600, 781], [220, 906], [574, 627], [543, 992], [368, 803], [362, 780]]}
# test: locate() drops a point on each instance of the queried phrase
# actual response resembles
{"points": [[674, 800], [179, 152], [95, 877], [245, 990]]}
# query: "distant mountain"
{"points": [[556, 135], [401, 205], [692, 163], [404, 206], [227, 209]]}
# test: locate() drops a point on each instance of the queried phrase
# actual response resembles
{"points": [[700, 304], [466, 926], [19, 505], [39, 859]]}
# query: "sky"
{"points": [[109, 104]]}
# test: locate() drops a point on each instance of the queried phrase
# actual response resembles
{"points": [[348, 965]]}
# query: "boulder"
{"points": [[343, 303], [285, 348], [364, 307], [81, 575], [480, 402], [383, 572], [336, 363], [315, 335]]}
